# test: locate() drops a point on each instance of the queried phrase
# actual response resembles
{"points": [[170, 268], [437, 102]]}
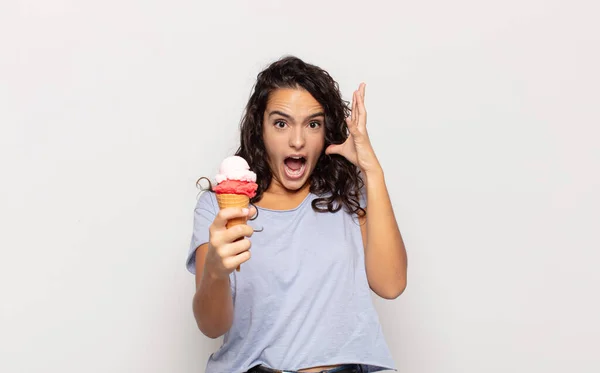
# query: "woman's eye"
{"points": [[314, 125], [280, 124]]}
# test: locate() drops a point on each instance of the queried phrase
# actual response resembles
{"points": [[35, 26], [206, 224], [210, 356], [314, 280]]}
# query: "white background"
{"points": [[485, 116]]}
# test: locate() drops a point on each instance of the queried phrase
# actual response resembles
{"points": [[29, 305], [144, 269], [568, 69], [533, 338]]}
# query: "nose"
{"points": [[297, 140]]}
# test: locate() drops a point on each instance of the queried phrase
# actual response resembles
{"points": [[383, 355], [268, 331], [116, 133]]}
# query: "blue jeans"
{"points": [[347, 368]]}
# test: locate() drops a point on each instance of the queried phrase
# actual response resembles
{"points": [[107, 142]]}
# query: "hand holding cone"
{"points": [[236, 184], [234, 200]]}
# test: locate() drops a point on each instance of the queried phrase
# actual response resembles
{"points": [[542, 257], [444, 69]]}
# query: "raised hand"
{"points": [[357, 147]]}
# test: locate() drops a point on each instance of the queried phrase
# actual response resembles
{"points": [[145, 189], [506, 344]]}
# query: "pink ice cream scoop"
{"points": [[235, 177]]}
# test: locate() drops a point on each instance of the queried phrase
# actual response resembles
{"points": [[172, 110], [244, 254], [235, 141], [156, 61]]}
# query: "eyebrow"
{"points": [[274, 112]]}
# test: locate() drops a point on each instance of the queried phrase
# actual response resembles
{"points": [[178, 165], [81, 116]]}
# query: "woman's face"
{"points": [[294, 136]]}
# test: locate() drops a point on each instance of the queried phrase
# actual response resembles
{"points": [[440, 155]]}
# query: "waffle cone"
{"points": [[234, 200]]}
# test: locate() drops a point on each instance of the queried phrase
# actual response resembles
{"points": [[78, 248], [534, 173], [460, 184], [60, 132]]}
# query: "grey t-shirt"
{"points": [[303, 299]]}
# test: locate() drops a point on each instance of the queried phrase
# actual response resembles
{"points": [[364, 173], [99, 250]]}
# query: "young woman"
{"points": [[302, 300]]}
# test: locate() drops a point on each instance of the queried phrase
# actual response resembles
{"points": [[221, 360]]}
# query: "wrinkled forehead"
{"points": [[296, 102]]}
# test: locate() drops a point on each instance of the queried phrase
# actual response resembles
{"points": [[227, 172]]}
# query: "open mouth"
{"points": [[294, 167]]}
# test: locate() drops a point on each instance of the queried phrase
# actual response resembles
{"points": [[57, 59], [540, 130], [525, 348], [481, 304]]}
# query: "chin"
{"points": [[294, 186]]}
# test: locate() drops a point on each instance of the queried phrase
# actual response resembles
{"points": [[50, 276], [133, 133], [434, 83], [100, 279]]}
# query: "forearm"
{"points": [[213, 306], [385, 255]]}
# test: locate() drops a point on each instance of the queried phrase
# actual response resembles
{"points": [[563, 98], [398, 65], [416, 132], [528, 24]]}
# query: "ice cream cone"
{"points": [[236, 184], [234, 200]]}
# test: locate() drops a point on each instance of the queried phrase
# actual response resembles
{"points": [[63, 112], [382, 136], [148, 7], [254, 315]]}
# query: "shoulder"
{"points": [[207, 201]]}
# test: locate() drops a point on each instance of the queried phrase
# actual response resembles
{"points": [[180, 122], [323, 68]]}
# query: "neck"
{"points": [[276, 189], [276, 197]]}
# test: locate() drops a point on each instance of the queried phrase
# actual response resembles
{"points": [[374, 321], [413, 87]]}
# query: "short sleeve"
{"points": [[362, 198], [204, 214]]}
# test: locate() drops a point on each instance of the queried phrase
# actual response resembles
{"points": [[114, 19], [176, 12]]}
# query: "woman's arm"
{"points": [[227, 249], [212, 304], [385, 254]]}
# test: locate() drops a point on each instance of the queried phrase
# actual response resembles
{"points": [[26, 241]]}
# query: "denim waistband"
{"points": [[346, 368]]}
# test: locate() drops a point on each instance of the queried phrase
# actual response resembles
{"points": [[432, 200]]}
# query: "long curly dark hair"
{"points": [[335, 180]]}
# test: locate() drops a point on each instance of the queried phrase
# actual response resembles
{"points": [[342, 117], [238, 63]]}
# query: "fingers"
{"points": [[226, 214], [235, 253], [361, 100], [358, 102], [362, 112], [234, 248], [354, 108], [229, 247], [356, 114], [235, 233], [227, 257], [234, 261], [352, 127], [333, 149], [220, 235]]}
